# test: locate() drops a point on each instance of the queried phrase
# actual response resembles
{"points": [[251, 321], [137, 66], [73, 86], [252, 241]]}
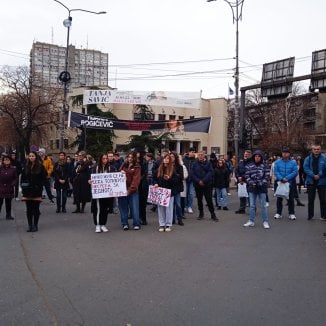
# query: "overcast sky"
{"points": [[193, 40]]}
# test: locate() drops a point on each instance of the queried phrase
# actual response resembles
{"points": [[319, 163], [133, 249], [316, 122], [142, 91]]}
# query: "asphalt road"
{"points": [[203, 273]]}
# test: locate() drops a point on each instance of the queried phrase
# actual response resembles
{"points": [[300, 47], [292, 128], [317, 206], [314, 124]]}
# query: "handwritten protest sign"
{"points": [[159, 196], [106, 185]]}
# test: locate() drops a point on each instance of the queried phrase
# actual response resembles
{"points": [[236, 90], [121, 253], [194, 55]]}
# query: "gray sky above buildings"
{"points": [[193, 40]]}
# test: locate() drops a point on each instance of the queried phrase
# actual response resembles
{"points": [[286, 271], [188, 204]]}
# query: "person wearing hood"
{"points": [[257, 178]]}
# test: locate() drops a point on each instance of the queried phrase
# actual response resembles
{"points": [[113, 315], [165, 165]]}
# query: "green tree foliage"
{"points": [[94, 141]]}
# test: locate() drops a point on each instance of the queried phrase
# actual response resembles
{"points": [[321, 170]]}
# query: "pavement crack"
{"points": [[73, 307]]}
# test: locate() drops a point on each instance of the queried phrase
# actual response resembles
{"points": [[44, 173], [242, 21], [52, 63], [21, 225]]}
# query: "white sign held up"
{"points": [[159, 196], [106, 185]]}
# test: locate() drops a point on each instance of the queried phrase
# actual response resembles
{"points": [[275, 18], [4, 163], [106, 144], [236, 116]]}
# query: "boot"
{"points": [[36, 219], [214, 217], [201, 215], [9, 217], [77, 210], [58, 209], [63, 209], [180, 222], [299, 203], [30, 221], [83, 208]]}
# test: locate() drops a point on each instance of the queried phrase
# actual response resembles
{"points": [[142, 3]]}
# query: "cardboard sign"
{"points": [[106, 185], [159, 196]]}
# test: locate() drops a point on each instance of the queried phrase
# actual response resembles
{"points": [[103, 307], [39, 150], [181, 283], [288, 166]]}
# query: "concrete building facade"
{"points": [[86, 67]]}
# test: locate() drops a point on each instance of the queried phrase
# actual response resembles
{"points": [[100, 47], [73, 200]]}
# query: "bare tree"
{"points": [[27, 106], [271, 125]]}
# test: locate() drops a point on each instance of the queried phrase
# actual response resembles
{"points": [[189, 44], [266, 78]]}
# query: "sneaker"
{"points": [[249, 223], [229, 194], [161, 229], [136, 227], [225, 208], [266, 225], [168, 229], [292, 217], [240, 211], [104, 228], [125, 228], [322, 218], [190, 210], [267, 205], [98, 229], [277, 216]]}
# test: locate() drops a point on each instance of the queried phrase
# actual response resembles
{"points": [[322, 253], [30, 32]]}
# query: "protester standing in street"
{"points": [[61, 182], [315, 169], [286, 170], [240, 178], [221, 182], [257, 178], [132, 170], [32, 180], [166, 177], [202, 176], [8, 178], [48, 165], [81, 186], [188, 160], [100, 206], [15, 162]]}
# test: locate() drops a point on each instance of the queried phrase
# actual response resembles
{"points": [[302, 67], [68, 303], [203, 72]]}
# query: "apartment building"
{"points": [[86, 67]]}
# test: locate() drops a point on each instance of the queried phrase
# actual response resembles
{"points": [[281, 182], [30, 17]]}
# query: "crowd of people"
{"points": [[187, 176]]}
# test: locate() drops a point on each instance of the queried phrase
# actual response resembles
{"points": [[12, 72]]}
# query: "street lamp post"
{"points": [[64, 76], [236, 7]]}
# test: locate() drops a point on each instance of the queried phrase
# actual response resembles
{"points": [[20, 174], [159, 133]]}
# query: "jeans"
{"points": [[165, 214], [311, 199], [279, 202], [221, 197], [129, 202], [62, 195], [177, 206], [190, 193], [262, 200]]}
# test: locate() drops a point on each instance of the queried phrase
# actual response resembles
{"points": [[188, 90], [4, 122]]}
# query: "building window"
{"points": [[172, 117], [161, 117]]}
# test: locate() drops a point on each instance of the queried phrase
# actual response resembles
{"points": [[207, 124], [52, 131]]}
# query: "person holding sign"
{"points": [[131, 168], [100, 206], [166, 177]]}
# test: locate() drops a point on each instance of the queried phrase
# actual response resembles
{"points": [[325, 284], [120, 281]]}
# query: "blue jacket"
{"points": [[307, 166], [286, 170], [202, 170]]}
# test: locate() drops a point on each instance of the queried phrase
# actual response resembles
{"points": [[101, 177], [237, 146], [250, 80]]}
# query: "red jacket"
{"points": [[133, 177]]}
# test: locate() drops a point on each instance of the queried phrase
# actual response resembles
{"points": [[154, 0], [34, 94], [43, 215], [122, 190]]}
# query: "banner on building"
{"points": [[176, 99], [159, 196], [78, 120], [106, 185]]}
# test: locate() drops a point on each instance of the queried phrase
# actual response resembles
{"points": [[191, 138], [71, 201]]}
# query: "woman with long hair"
{"points": [[166, 177], [132, 170], [32, 181], [100, 206], [8, 180], [178, 170], [81, 186]]}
